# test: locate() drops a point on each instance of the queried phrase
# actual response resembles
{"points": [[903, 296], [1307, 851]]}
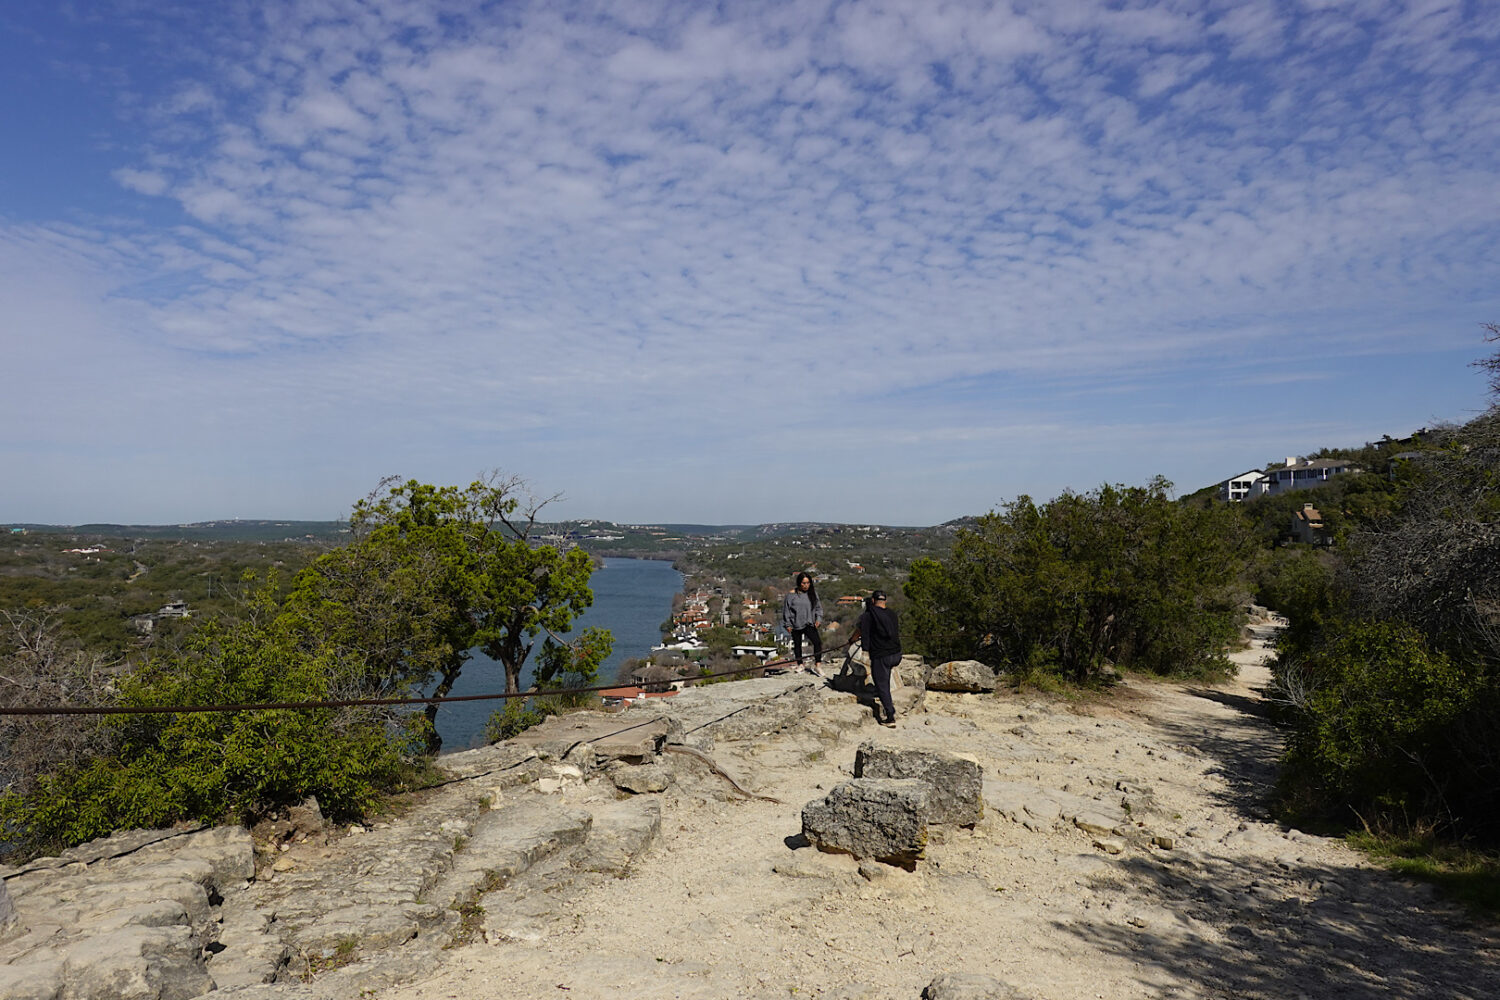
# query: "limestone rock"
{"points": [[137, 963], [744, 710], [621, 832], [638, 744], [251, 954], [7, 909], [228, 851], [642, 779], [1095, 823], [969, 676], [954, 783], [880, 818], [40, 979], [970, 986], [594, 739]]}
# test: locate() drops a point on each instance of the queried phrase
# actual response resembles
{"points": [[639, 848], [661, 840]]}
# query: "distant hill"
{"points": [[218, 531], [594, 534]]}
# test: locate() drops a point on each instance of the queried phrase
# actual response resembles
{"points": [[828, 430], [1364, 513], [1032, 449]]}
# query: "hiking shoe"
{"points": [[888, 723]]}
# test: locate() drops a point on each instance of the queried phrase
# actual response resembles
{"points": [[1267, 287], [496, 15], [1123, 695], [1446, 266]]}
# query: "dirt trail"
{"points": [[727, 904]]}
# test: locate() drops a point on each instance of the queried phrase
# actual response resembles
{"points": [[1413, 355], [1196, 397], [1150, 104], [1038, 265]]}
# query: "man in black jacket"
{"points": [[881, 635]]}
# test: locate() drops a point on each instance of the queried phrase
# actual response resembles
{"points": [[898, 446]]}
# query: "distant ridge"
{"points": [[234, 530], [580, 529]]}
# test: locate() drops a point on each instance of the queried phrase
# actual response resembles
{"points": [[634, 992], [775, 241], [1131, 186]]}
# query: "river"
{"points": [[632, 597]]}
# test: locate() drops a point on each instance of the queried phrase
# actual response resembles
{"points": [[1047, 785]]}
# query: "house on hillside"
{"points": [[615, 697], [1244, 486], [1300, 474], [1308, 526]]}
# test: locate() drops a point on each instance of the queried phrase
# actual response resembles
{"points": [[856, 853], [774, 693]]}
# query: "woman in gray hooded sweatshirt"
{"points": [[801, 614]]}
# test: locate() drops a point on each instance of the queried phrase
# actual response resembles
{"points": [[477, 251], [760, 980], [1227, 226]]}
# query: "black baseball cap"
{"points": [[879, 595]]}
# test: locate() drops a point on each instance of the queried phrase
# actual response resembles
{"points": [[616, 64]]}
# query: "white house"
{"points": [[759, 652], [1247, 484], [1300, 474]]}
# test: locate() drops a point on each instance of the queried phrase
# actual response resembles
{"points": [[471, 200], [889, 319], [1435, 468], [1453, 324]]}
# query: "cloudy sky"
{"points": [[856, 261]]}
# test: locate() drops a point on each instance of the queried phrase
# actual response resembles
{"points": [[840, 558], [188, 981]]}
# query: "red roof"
{"points": [[634, 692]]}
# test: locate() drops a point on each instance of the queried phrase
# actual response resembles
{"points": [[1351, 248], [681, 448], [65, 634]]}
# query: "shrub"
{"points": [[518, 715], [162, 768], [1384, 725], [1122, 575]]}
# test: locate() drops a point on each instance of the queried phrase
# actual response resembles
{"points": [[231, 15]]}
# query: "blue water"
{"points": [[632, 597]]}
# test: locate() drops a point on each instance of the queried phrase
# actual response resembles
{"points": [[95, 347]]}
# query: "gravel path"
{"points": [[1125, 852]]}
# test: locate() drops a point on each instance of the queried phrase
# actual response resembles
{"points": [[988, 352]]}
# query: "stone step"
{"points": [[504, 843]]}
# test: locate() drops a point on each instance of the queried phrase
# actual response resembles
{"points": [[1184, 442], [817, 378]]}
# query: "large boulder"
{"points": [[955, 783], [967, 676], [880, 818]]}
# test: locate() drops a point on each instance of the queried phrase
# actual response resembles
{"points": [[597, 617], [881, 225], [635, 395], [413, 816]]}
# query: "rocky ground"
{"points": [[1124, 852]]}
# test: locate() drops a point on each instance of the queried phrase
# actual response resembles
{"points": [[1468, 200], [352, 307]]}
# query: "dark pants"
{"points": [[811, 631], [880, 673]]}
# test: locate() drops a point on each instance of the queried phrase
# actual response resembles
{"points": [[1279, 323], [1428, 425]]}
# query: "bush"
{"points": [[518, 715], [162, 768], [1383, 725], [1121, 576]]}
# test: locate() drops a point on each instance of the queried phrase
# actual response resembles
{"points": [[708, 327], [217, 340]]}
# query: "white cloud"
{"points": [[143, 181], [572, 227]]}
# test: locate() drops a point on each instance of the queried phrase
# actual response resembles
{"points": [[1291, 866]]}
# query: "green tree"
{"points": [[526, 590], [434, 572], [721, 639]]}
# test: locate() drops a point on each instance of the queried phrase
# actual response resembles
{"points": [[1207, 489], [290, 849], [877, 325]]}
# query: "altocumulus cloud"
{"points": [[705, 262]]}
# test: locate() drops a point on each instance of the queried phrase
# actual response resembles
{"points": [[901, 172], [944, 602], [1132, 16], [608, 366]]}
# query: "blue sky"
{"points": [[891, 262]]}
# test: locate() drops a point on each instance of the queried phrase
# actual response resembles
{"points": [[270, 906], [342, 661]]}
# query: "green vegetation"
{"points": [[99, 595], [1121, 577], [516, 717], [1389, 679], [428, 574], [433, 573], [152, 770], [1463, 873]]}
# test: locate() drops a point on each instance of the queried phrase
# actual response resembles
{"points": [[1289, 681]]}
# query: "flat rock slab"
{"points": [[612, 735], [744, 710], [621, 832], [126, 916], [504, 843]]}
